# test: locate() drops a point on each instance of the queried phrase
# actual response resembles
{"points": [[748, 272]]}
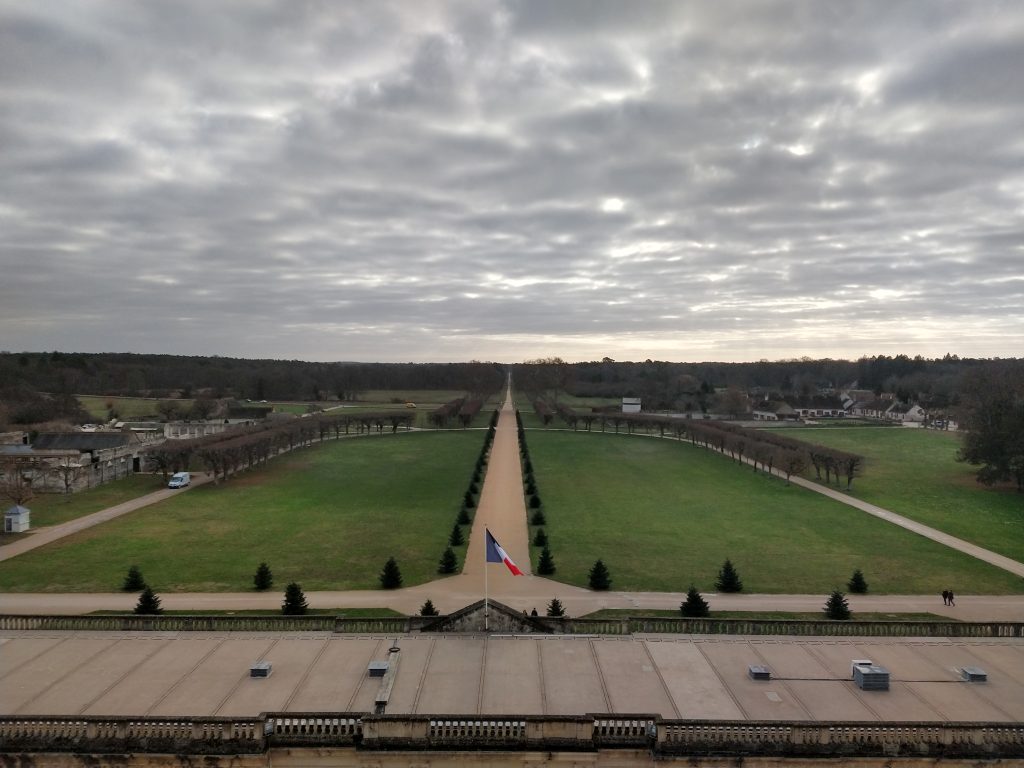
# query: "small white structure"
{"points": [[631, 405], [16, 519]]}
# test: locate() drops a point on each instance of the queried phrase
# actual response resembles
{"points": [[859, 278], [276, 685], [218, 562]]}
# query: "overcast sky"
{"points": [[510, 180]]}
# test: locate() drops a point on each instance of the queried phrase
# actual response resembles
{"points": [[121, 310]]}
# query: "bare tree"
{"points": [[792, 462], [202, 407], [168, 409], [16, 475], [68, 471]]}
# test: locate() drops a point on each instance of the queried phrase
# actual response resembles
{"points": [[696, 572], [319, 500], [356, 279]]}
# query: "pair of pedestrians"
{"points": [[947, 597]]}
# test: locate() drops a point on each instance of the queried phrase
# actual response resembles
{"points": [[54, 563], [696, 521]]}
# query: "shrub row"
{"points": [[449, 562]]}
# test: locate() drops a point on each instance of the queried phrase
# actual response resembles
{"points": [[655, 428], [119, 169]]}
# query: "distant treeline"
{"points": [[177, 375], [936, 383]]}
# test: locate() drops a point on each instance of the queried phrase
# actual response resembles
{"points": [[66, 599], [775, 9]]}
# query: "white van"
{"points": [[180, 480]]}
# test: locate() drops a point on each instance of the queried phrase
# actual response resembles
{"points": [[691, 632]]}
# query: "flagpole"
{"points": [[487, 608]]}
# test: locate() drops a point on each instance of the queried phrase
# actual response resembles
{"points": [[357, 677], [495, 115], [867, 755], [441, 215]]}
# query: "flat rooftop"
{"points": [[690, 677]]}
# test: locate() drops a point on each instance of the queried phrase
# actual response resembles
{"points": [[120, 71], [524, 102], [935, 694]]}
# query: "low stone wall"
{"points": [[805, 628], [133, 623], [452, 733]]}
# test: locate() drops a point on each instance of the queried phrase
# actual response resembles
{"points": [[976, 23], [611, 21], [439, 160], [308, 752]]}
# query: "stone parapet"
{"points": [[505, 622], [454, 733]]}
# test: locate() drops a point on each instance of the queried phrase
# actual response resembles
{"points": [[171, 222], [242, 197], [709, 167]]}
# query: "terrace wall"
{"points": [[91, 736], [614, 626]]}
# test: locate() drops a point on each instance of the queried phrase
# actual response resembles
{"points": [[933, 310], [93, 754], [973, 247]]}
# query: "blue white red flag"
{"points": [[495, 554]]}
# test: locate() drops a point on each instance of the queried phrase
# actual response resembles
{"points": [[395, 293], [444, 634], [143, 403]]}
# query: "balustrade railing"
{"points": [[624, 626], [220, 735]]}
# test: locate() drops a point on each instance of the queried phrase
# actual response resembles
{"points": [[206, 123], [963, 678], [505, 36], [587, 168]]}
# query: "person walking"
{"points": [[945, 597], [951, 602]]}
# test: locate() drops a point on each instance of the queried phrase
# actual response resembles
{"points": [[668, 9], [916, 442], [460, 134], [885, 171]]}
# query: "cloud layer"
{"points": [[503, 180]]}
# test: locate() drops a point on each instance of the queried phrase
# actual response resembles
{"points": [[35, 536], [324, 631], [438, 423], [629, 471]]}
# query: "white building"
{"points": [[17, 519]]}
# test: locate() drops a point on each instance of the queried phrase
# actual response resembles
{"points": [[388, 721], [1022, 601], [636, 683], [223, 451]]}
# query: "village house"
{"points": [[908, 413], [773, 410], [873, 409], [820, 407]]}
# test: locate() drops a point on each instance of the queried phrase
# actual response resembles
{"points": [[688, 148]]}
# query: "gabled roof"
{"points": [[772, 406], [818, 402], [81, 441]]}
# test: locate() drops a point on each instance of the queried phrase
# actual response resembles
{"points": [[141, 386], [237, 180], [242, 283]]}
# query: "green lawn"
{"points": [[423, 398], [347, 613], [327, 517], [625, 613], [664, 514], [128, 408], [54, 508], [914, 472]]}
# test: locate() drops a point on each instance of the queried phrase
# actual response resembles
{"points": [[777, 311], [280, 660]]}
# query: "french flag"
{"points": [[495, 554]]}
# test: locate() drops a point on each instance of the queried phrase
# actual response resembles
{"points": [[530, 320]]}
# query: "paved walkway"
{"points": [[43, 536], [990, 557], [502, 510]]}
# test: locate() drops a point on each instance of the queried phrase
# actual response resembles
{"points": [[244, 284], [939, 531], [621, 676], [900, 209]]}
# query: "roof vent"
{"points": [[974, 675], [759, 672], [871, 677], [377, 668], [260, 669], [854, 663]]}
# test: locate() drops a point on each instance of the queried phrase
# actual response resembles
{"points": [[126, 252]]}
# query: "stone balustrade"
{"points": [[624, 626], [228, 736], [131, 734]]}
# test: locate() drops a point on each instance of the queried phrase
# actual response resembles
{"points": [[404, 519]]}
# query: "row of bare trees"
{"points": [[543, 410], [246, 447], [469, 410], [767, 450], [441, 416]]}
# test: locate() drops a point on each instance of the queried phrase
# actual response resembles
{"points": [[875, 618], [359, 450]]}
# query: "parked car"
{"points": [[179, 480]]}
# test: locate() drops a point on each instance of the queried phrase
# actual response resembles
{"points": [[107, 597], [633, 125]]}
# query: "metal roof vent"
{"points": [[377, 668], [260, 669], [759, 672], [974, 675], [854, 663], [871, 677]]}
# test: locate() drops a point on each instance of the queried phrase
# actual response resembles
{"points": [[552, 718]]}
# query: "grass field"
{"points": [[55, 508], [664, 514], [348, 613], [128, 408], [423, 398], [624, 613], [327, 517], [914, 472]]}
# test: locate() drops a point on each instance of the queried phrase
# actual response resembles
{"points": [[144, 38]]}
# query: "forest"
{"points": [[662, 385]]}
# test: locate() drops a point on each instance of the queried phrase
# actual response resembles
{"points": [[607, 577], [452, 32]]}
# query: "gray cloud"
{"points": [[505, 180]]}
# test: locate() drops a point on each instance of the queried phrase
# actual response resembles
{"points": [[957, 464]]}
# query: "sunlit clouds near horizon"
{"points": [[509, 180]]}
